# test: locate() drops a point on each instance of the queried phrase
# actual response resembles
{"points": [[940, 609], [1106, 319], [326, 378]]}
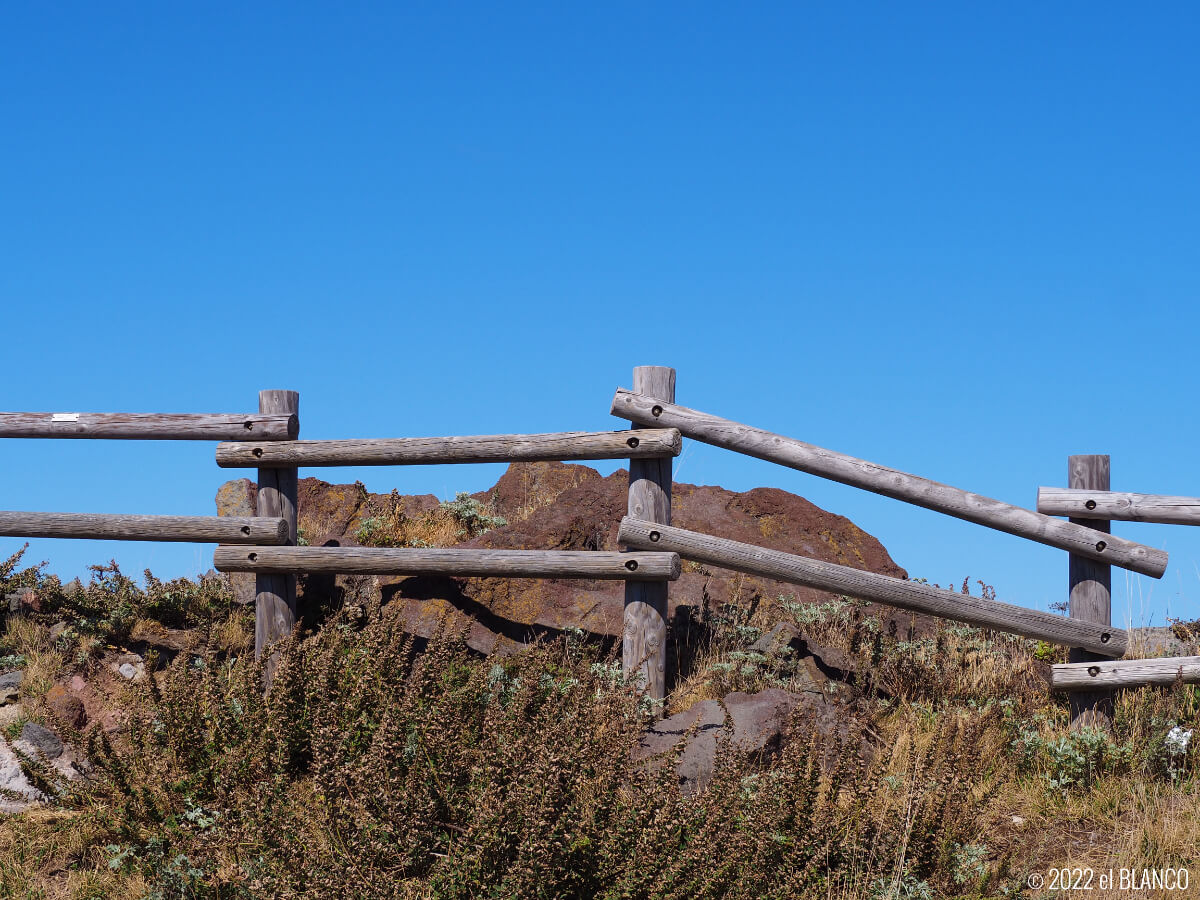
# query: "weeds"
{"points": [[380, 766], [387, 524]]}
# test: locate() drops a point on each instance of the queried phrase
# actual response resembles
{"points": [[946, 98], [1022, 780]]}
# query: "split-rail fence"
{"points": [[265, 544]]}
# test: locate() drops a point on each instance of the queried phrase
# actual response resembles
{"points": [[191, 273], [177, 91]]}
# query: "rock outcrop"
{"points": [[556, 506]]}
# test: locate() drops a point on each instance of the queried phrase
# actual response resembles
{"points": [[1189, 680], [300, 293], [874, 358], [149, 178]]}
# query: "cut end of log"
{"points": [[1150, 561]]}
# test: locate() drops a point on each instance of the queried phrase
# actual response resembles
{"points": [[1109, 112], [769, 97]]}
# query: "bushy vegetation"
{"points": [[109, 606], [373, 769], [380, 765]]}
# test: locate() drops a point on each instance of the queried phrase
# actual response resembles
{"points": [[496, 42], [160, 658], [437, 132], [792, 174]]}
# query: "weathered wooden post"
{"points": [[1091, 593], [644, 643], [275, 595]]}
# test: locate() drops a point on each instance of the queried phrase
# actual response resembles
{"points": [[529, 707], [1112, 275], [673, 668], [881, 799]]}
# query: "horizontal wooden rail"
{"points": [[151, 426], [871, 476], [655, 442], [103, 527], [1088, 676], [1084, 504], [470, 562], [910, 595]]}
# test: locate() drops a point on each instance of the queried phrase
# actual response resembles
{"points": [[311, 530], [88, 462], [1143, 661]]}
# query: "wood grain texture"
{"points": [[871, 586], [151, 426], [600, 565], [892, 483], [278, 490], [105, 527], [644, 637], [1080, 503], [570, 445], [1090, 585], [1109, 674]]}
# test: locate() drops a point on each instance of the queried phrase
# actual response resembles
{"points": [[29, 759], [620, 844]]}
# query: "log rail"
{"points": [[587, 564], [1079, 503], [571, 445], [1091, 676], [912, 595], [870, 476], [106, 527], [151, 426]]}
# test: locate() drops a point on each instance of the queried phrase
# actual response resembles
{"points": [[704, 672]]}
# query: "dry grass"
{"points": [[43, 663], [386, 524], [234, 635], [535, 496]]}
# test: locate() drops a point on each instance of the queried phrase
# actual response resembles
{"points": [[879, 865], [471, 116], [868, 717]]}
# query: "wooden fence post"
{"points": [[644, 641], [1091, 593], [275, 600]]}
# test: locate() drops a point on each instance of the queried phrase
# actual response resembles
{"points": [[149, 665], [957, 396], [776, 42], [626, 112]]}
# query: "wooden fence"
{"points": [[269, 441]]}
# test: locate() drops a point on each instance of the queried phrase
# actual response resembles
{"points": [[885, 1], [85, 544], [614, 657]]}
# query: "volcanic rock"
{"points": [[41, 740], [744, 723], [65, 706], [239, 498], [17, 793], [556, 506], [10, 687]]}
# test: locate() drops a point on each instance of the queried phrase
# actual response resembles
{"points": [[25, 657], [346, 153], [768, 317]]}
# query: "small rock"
{"points": [[756, 722], [30, 601], [112, 721], [77, 683], [779, 636], [57, 629], [42, 740], [695, 765], [13, 779], [1018, 821], [128, 670], [10, 687], [759, 720], [10, 713], [67, 708]]}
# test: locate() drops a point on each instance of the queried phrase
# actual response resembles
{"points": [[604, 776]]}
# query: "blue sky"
{"points": [[957, 241]]}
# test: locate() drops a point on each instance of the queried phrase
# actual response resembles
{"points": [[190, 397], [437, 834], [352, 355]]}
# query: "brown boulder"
{"points": [[583, 513], [556, 506], [239, 498], [66, 707]]}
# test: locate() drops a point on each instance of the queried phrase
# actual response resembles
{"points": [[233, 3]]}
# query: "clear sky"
{"points": [[955, 240]]}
